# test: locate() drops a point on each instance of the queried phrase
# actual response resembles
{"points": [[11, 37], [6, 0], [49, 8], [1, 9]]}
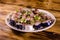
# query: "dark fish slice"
{"points": [[37, 26], [46, 24], [12, 23], [43, 25], [19, 27]]}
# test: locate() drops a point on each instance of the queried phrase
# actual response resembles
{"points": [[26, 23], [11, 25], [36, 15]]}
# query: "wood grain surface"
{"points": [[7, 33]]}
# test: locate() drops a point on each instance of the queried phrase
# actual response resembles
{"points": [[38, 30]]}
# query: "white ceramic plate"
{"points": [[30, 27]]}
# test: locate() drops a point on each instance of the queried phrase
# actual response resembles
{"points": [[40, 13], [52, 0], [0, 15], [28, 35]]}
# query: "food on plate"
{"points": [[22, 17]]}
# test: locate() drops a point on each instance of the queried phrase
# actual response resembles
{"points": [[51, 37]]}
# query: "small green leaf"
{"points": [[28, 12]]}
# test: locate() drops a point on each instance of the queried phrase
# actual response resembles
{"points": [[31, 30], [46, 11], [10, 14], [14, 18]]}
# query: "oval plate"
{"points": [[48, 13]]}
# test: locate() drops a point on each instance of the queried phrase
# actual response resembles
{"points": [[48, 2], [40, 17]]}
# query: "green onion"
{"points": [[23, 20], [36, 17], [28, 12]]}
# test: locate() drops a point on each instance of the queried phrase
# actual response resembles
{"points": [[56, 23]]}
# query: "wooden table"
{"points": [[7, 33]]}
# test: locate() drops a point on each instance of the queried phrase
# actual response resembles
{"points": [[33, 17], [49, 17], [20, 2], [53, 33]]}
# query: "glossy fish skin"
{"points": [[36, 27], [19, 27], [12, 22], [46, 24]]}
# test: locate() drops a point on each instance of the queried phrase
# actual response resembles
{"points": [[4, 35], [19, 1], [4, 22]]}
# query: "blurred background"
{"points": [[46, 4]]}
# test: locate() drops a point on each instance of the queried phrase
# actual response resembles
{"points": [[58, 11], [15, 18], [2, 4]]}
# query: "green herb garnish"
{"points": [[36, 17], [28, 12], [23, 20]]}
